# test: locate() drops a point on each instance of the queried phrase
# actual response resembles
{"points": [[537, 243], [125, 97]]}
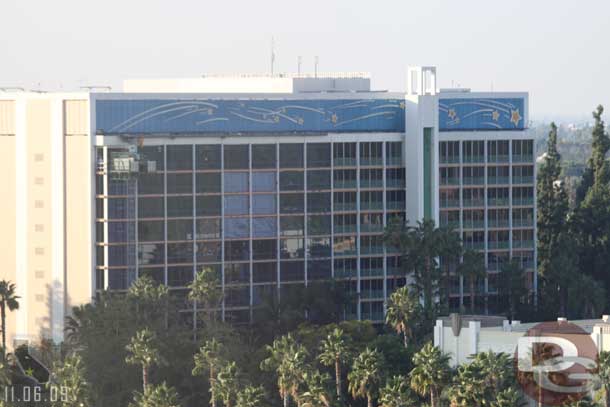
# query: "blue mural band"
{"points": [[248, 116], [481, 114]]}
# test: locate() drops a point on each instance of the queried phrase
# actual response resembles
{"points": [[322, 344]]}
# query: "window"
{"points": [[263, 204], [292, 271], [318, 155], [291, 226], [263, 156], [148, 184], [180, 276], [318, 180], [291, 248], [151, 231], [208, 205], [153, 153], [179, 183], [236, 181], [179, 206], [237, 273], [263, 182], [150, 208], [291, 203], [318, 202], [156, 273], [318, 225], [318, 247], [236, 250], [395, 177], [292, 181], [180, 229], [208, 229], [345, 179], [371, 244], [371, 178], [264, 249], [319, 270], [208, 182], [371, 222], [395, 199], [264, 272], [264, 226], [291, 155], [474, 151], [393, 153], [117, 256], [346, 268], [345, 223], [117, 208], [179, 252], [371, 153], [371, 200], [179, 157], [236, 204], [497, 151], [120, 232], [208, 157], [208, 252], [474, 219], [344, 154], [237, 228], [449, 152], [236, 157], [345, 201], [151, 253], [344, 246]]}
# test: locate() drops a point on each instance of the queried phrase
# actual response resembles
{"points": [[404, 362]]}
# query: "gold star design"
{"points": [[402, 105], [334, 118], [515, 117], [30, 372], [276, 119], [495, 115], [300, 120], [451, 113]]}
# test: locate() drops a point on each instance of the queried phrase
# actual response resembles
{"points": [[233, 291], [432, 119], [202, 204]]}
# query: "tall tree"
{"points": [[509, 397], [511, 286], [70, 376], [157, 396], [143, 352], [420, 247], [603, 372], [206, 293], [8, 299], [366, 375], [468, 387], [227, 383], [334, 352], [209, 358], [396, 393], [403, 312], [430, 373], [250, 396], [317, 393], [597, 164], [472, 268]]}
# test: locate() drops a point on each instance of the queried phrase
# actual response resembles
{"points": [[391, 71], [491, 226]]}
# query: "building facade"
{"points": [[273, 182]]}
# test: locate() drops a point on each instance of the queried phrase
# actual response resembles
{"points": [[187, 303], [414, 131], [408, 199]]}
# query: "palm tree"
{"points": [[468, 388], [431, 372], [156, 396], [509, 397], [334, 352], [226, 383], [209, 358], [143, 351], [9, 299], [287, 359], [403, 312], [496, 369], [69, 375], [317, 394], [366, 375], [205, 290], [512, 285], [397, 393], [250, 397], [472, 268], [603, 366]]}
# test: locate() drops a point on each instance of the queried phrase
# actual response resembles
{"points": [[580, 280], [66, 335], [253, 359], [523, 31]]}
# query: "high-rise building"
{"points": [[273, 182]]}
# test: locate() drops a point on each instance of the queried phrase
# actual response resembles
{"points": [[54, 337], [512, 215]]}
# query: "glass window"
{"points": [[209, 252], [264, 249], [179, 252], [236, 273], [318, 225], [319, 270], [117, 256], [237, 228], [236, 157], [156, 273], [292, 226], [291, 248], [150, 184], [393, 153], [292, 181], [263, 204], [291, 155], [150, 231], [318, 247], [179, 276], [236, 204], [236, 181], [292, 271], [236, 250], [291, 203], [318, 180], [208, 157], [117, 208], [318, 155], [263, 181], [179, 157], [151, 253], [152, 153], [208, 205], [119, 186], [265, 226], [264, 272], [208, 229], [180, 229], [263, 155], [179, 206], [120, 232], [318, 202], [208, 182], [344, 154], [150, 208], [344, 246], [179, 183]]}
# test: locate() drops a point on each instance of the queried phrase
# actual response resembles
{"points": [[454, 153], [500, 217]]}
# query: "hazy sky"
{"points": [[555, 49]]}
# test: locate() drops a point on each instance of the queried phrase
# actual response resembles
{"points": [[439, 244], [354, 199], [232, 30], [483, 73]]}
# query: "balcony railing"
{"points": [[498, 245], [474, 245], [450, 181], [523, 158], [345, 162], [365, 183], [474, 159], [523, 201], [498, 180], [372, 250], [474, 180], [371, 161], [394, 161], [374, 272], [450, 203], [498, 158], [497, 223], [523, 180], [474, 224], [395, 183], [345, 229], [371, 205], [449, 160], [345, 206], [523, 244], [454, 224], [371, 294], [345, 184], [371, 227], [395, 205], [523, 222], [497, 202], [469, 203], [373, 316]]}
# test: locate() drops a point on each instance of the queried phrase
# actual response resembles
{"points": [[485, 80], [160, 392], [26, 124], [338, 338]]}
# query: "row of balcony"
{"points": [[500, 245], [473, 203], [497, 158], [490, 181], [367, 162]]}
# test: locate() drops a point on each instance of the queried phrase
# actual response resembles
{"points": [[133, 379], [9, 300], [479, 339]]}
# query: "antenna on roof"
{"points": [[299, 62], [272, 54], [315, 69]]}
